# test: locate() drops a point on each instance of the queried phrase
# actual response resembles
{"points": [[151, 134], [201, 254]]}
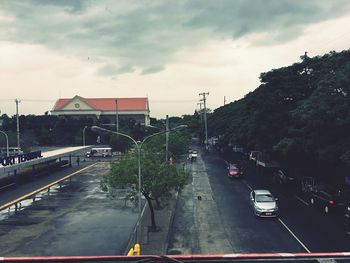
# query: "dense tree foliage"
{"points": [[300, 112]]}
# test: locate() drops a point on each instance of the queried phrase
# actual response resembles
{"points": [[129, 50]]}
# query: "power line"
{"points": [[173, 101], [27, 100], [35, 100], [325, 44]]}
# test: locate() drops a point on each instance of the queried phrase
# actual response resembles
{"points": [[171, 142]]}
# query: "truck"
{"points": [[99, 152]]}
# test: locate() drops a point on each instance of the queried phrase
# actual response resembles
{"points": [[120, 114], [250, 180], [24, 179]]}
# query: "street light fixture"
{"points": [[84, 135], [138, 145], [7, 143]]}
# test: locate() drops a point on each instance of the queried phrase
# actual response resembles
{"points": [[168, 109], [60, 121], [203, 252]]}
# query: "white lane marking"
{"points": [[290, 231], [302, 200], [326, 260]]}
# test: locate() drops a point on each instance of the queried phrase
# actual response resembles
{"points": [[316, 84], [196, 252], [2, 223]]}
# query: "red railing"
{"points": [[187, 258]]}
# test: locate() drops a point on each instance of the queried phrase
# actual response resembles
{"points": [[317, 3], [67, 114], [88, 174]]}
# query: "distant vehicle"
{"points": [[283, 178], [263, 203], [192, 155], [99, 152], [308, 185], [264, 160], [234, 171], [253, 155], [213, 141], [12, 151], [347, 218], [237, 149], [329, 199]]}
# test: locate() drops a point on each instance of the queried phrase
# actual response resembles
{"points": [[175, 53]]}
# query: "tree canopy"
{"points": [[300, 112], [159, 177]]}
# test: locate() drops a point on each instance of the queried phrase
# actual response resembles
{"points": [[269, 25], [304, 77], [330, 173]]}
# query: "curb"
{"points": [[171, 222]]}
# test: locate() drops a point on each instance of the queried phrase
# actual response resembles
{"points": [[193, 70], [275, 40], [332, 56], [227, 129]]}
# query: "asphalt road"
{"points": [[299, 228], [319, 232], [246, 232]]}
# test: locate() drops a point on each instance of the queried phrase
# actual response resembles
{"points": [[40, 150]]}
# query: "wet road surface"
{"points": [[76, 219]]}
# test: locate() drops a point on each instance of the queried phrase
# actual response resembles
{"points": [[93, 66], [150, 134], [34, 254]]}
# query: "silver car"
{"points": [[263, 203]]}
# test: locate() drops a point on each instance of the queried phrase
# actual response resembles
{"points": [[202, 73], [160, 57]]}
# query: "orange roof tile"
{"points": [[108, 104]]}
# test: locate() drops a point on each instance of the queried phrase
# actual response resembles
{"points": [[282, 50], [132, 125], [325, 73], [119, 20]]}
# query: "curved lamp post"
{"points": [[84, 135], [138, 145], [7, 143]]}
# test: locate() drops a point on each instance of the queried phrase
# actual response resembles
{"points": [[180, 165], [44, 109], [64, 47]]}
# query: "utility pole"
{"points": [[224, 100], [200, 111], [167, 138], [116, 116], [201, 120], [204, 94], [18, 143]]}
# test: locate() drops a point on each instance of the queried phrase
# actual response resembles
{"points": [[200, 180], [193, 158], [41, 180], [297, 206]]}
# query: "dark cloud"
{"points": [[67, 5], [112, 70], [152, 70], [145, 35]]}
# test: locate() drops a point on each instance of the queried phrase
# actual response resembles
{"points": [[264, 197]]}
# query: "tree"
{"points": [[159, 178], [300, 111]]}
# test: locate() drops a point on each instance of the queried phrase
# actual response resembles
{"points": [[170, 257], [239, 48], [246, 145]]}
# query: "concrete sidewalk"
{"points": [[156, 243], [190, 222], [197, 226]]}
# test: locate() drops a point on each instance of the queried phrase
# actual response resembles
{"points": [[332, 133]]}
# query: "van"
{"points": [[99, 152]]}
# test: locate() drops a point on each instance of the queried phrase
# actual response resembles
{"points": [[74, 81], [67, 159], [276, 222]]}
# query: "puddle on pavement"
{"points": [[64, 190], [32, 201]]}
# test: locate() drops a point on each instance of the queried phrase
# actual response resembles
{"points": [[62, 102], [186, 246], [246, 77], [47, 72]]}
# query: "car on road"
{"points": [[253, 155], [192, 155], [234, 171], [283, 178], [264, 203], [327, 198]]}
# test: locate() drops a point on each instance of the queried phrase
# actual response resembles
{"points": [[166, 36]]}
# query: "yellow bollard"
{"points": [[131, 252], [137, 250]]}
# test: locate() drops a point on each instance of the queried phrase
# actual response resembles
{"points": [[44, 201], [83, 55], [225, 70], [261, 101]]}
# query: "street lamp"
{"points": [[7, 143], [84, 135], [138, 145]]}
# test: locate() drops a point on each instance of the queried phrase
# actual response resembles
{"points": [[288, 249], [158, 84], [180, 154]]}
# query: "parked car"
{"points": [[234, 171], [347, 218], [283, 178], [253, 155], [328, 198], [263, 203], [237, 149]]}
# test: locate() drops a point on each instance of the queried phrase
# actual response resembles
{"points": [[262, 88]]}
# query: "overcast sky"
{"points": [[167, 50]]}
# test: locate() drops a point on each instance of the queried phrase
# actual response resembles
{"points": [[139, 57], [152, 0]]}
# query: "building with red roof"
{"points": [[104, 109]]}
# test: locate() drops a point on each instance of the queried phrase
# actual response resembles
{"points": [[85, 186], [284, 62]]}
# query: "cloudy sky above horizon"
{"points": [[167, 50]]}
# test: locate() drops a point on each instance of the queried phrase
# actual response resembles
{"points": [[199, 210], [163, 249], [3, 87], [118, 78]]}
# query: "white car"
{"points": [[263, 203], [193, 155]]}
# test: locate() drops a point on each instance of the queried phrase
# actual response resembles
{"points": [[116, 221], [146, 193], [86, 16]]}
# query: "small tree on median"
{"points": [[159, 178]]}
